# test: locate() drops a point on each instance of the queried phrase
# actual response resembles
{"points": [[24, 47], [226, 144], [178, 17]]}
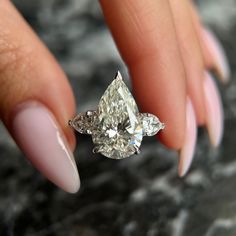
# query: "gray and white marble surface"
{"points": [[140, 196]]}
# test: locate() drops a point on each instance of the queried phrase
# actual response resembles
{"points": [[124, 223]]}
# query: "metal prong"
{"points": [[96, 149], [137, 150], [118, 75], [162, 126], [89, 113], [70, 123]]}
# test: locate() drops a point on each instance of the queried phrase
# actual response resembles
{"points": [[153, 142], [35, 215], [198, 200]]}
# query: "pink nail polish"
{"points": [[187, 152], [214, 110], [40, 138], [218, 53]]}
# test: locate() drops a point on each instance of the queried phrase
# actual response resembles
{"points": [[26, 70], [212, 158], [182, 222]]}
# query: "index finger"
{"points": [[145, 35]]}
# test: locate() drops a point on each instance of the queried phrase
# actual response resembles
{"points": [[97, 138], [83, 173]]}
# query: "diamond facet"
{"points": [[119, 132], [117, 128], [151, 124], [84, 122]]}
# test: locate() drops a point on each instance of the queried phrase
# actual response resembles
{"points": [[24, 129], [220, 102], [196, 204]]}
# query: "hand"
{"points": [[168, 54]]}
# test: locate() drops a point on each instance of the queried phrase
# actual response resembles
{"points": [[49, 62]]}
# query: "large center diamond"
{"points": [[118, 132]]}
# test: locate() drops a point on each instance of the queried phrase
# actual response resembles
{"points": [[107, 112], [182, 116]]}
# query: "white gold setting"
{"points": [[117, 128]]}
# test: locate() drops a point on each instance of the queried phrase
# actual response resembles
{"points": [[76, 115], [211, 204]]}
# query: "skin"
{"points": [[151, 65], [163, 50], [192, 56], [26, 66]]}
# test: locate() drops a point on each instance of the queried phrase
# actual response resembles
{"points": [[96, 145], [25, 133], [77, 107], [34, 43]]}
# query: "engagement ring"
{"points": [[116, 126]]}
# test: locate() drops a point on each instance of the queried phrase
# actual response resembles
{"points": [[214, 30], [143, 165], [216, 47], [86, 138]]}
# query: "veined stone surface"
{"points": [[119, 132]]}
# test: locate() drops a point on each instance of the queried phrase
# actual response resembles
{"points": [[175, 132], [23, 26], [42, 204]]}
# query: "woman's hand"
{"points": [[168, 54]]}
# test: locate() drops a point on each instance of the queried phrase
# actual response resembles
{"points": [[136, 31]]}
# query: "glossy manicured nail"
{"points": [[214, 110], [187, 152], [219, 55], [40, 138]]}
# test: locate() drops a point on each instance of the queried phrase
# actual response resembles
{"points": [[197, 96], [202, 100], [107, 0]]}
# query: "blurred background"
{"points": [[140, 196]]}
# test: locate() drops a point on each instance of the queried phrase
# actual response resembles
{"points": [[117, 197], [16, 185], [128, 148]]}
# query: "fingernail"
{"points": [[218, 53], [214, 110], [187, 152], [38, 135]]}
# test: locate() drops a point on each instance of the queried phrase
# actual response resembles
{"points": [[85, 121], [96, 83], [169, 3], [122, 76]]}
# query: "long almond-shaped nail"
{"points": [[214, 110], [40, 138], [187, 152], [217, 51]]}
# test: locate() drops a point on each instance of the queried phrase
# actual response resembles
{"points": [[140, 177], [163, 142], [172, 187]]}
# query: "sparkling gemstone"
{"points": [[84, 122], [118, 131], [117, 127], [151, 124]]}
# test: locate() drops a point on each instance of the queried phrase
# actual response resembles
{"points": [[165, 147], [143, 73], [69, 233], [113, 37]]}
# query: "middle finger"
{"points": [[191, 54]]}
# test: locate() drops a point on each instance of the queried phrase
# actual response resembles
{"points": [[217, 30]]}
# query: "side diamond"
{"points": [[151, 124], [84, 122]]}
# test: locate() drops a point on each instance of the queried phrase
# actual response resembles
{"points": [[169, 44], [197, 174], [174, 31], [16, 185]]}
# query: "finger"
{"points": [[207, 57], [191, 54], [36, 100], [214, 59], [187, 151], [220, 62], [146, 38], [214, 111], [212, 51]]}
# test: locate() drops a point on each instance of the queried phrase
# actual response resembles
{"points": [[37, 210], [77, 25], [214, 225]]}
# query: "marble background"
{"points": [[140, 196]]}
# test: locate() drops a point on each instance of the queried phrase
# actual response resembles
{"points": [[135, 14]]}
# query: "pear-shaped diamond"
{"points": [[116, 126], [118, 132]]}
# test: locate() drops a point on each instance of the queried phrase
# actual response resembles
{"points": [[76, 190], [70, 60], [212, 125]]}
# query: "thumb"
{"points": [[36, 100]]}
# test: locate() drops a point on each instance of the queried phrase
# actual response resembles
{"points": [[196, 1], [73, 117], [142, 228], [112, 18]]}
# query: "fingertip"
{"points": [[73, 187], [214, 108], [162, 98], [38, 134], [186, 153], [196, 93], [171, 138], [218, 55]]}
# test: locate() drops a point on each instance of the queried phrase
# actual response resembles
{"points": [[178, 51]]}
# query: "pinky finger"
{"points": [[220, 62], [212, 51]]}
